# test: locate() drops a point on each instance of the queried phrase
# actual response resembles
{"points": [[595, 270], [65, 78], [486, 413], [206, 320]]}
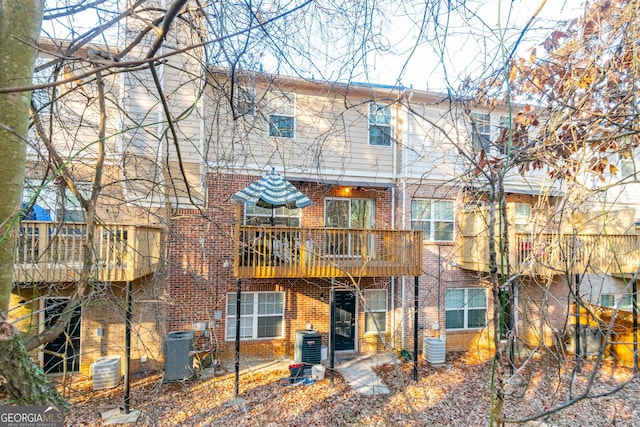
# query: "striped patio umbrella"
{"points": [[272, 191]]}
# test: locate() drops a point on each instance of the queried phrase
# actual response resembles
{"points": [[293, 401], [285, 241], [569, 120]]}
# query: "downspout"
{"points": [[403, 192], [393, 227]]}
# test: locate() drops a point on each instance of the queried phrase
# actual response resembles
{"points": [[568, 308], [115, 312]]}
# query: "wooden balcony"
{"points": [[52, 252], [293, 252], [547, 253]]}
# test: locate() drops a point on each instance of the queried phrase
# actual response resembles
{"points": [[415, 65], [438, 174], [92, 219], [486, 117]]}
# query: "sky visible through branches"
{"points": [[429, 45]]}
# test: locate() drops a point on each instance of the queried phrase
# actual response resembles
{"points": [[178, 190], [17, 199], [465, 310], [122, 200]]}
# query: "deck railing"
{"points": [[53, 252], [546, 253], [291, 252]]}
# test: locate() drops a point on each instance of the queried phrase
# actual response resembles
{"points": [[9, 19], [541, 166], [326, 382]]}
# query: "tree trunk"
{"points": [[25, 381], [20, 22]]}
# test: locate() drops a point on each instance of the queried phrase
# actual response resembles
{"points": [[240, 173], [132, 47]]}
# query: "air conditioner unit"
{"points": [[434, 350], [106, 372]]}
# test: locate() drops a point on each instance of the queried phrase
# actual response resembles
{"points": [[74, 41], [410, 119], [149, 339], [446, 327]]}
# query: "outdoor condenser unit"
{"points": [[434, 350], [178, 359], [106, 372], [308, 346]]}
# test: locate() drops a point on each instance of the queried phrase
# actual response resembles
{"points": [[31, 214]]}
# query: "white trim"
{"points": [[254, 316]]}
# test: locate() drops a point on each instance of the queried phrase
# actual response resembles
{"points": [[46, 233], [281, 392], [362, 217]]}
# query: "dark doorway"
{"points": [[345, 320], [63, 353]]}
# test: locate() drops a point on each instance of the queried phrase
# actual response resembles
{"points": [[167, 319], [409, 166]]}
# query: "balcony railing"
{"points": [[292, 252], [52, 252], [547, 253]]}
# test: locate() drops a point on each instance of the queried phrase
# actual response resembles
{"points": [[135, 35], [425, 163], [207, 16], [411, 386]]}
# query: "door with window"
{"points": [[345, 320], [349, 214], [63, 353]]}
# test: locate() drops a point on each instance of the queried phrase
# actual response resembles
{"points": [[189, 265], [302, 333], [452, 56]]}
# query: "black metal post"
{"points": [[634, 301], [415, 328], [238, 296], [127, 351], [332, 334], [577, 314]]}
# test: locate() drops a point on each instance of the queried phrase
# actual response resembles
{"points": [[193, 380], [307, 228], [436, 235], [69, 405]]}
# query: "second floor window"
{"points": [[522, 220], [349, 213], [255, 215], [53, 202], [282, 119], [481, 131], [379, 125], [434, 217], [245, 101], [505, 125]]}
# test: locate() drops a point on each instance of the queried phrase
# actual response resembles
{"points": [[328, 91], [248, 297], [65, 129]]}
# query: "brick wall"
{"points": [[201, 270]]}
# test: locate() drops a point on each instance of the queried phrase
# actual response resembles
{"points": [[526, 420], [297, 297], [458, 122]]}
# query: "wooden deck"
{"points": [[549, 253], [299, 252], [52, 252]]}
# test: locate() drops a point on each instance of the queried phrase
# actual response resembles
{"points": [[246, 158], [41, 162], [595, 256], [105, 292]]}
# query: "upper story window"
{"points": [[481, 131], [610, 300], [505, 124], [349, 213], [379, 125], [522, 218], [627, 164], [245, 101], [465, 308], [434, 217], [255, 215], [54, 202], [282, 115], [42, 98]]}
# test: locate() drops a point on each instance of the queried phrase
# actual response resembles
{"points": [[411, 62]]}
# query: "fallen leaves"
{"points": [[458, 393]]}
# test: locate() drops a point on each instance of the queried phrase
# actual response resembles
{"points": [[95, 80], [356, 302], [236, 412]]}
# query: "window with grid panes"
{"points": [[379, 125], [481, 131], [375, 316], [465, 308], [261, 315], [434, 217], [282, 110]]}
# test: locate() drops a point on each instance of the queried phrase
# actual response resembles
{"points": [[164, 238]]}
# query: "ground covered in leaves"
{"points": [[458, 393]]}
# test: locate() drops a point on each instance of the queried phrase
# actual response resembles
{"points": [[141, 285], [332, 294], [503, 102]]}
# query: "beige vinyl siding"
{"points": [[328, 136], [428, 148]]}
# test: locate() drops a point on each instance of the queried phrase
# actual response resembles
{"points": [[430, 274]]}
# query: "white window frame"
{"points": [[245, 101], [522, 218], [42, 98], [375, 301], [350, 200], [380, 120], [466, 308], [282, 105], [53, 201], [505, 122], [625, 301], [432, 221], [254, 316], [481, 131], [255, 215]]}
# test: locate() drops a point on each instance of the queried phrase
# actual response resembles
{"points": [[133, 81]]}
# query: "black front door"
{"points": [[345, 320], [63, 353]]}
